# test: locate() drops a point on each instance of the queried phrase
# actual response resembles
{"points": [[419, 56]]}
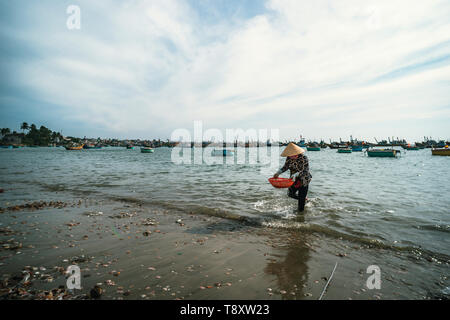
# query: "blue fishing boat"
{"points": [[344, 150], [357, 148], [302, 143]]}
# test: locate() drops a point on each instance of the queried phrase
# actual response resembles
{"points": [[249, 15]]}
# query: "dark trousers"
{"points": [[301, 196]]}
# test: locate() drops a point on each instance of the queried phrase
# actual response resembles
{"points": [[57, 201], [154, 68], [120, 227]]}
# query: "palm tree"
{"points": [[24, 127], [5, 131]]}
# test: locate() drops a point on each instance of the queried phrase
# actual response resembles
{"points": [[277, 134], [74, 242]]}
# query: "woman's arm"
{"points": [[283, 169]]}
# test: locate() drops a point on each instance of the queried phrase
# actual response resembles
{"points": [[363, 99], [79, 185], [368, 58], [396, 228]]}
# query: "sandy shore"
{"points": [[134, 252]]}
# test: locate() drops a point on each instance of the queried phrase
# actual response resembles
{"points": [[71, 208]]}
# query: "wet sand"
{"points": [[131, 251]]}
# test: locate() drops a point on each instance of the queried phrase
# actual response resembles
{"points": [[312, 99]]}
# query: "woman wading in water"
{"points": [[298, 165]]}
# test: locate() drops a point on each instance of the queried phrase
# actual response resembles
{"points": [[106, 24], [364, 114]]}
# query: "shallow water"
{"points": [[400, 203]]}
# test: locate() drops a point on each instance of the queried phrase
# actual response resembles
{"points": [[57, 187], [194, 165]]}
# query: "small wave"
{"points": [[190, 209], [446, 291], [315, 228], [127, 200], [371, 243], [435, 227], [54, 187], [65, 188], [104, 185], [275, 207]]}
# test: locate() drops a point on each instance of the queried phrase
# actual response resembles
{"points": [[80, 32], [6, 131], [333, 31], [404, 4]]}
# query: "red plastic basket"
{"points": [[281, 182]]}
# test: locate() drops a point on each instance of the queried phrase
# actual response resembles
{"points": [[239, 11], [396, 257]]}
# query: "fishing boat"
{"points": [[441, 152], [313, 147], [147, 150], [344, 150], [130, 147], [336, 145], [302, 142], [6, 147], [223, 152], [74, 147], [357, 148], [410, 147], [385, 153]]}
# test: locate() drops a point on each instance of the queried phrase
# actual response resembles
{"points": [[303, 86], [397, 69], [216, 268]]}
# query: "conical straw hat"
{"points": [[291, 150]]}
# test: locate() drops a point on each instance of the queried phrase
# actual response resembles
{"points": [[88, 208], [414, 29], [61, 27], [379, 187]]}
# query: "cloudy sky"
{"points": [[141, 69]]}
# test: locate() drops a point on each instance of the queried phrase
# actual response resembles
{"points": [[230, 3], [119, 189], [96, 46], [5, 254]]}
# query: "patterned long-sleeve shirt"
{"points": [[300, 166]]}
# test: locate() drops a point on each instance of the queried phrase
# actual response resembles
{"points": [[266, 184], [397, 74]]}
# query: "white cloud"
{"points": [[154, 66]]}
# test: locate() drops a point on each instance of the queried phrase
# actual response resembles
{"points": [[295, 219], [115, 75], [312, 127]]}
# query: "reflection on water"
{"points": [[292, 271]]}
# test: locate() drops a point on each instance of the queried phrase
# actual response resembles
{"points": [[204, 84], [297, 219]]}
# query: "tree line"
{"points": [[34, 136]]}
